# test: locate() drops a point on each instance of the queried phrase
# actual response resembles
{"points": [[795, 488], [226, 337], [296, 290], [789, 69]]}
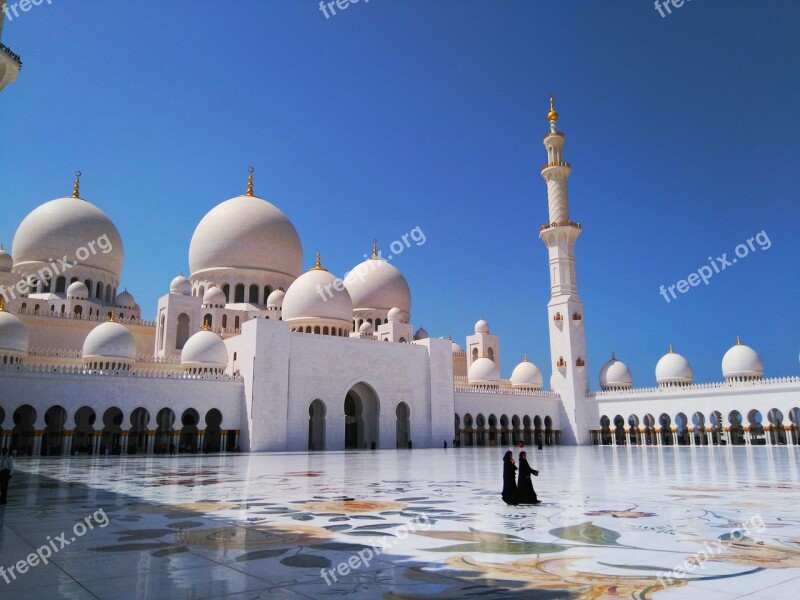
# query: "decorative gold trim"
{"points": [[111, 317], [76, 188], [318, 266], [249, 191], [375, 249]]}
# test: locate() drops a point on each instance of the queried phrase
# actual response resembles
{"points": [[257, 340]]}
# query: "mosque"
{"points": [[246, 353]]}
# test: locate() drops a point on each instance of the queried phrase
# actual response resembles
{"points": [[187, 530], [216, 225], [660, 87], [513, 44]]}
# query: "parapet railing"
{"points": [[697, 387], [10, 53]]}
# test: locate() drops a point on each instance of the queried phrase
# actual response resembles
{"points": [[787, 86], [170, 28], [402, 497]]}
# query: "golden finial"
{"points": [[449, 337], [206, 326], [612, 356], [250, 182], [76, 189], [671, 351], [318, 266], [738, 341], [375, 248], [2, 304], [552, 115], [111, 317], [525, 357]]}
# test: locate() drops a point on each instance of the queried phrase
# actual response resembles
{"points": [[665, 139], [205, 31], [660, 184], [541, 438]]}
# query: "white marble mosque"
{"points": [[250, 353]]}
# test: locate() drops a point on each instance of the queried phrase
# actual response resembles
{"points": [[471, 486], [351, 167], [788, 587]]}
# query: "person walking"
{"points": [[509, 479], [525, 492], [6, 471]]}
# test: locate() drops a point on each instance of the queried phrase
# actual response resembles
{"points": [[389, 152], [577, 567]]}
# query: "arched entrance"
{"points": [[53, 437], [22, 434], [83, 438], [316, 425], [188, 439], [212, 440], [361, 411], [403, 426], [137, 438]]}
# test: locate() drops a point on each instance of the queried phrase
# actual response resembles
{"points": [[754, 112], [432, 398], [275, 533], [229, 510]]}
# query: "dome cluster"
{"points": [[740, 363]]}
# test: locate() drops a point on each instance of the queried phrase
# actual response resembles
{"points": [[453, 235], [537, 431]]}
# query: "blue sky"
{"points": [[682, 131]]}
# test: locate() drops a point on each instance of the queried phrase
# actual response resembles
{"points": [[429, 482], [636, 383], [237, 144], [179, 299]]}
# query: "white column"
{"points": [[151, 439], [37, 443], [66, 443]]}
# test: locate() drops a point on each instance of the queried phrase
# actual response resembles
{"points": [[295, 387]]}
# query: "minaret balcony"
{"points": [[559, 224], [561, 363], [10, 64], [559, 163]]}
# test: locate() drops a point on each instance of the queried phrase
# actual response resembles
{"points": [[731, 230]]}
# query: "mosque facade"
{"points": [[251, 353]]}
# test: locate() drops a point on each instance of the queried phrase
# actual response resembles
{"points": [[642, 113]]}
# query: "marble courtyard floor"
{"points": [[614, 523]]}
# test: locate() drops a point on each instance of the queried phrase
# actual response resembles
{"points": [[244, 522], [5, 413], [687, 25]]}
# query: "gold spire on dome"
{"points": [[76, 188], [738, 341], [375, 249], [525, 357], [206, 326], [318, 266], [2, 304], [552, 115], [111, 317], [671, 351], [249, 191], [612, 356]]}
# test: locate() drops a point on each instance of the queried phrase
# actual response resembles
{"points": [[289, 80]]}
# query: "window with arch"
{"points": [[490, 354], [239, 293], [226, 289], [181, 331], [253, 298], [224, 320], [61, 285], [236, 323]]}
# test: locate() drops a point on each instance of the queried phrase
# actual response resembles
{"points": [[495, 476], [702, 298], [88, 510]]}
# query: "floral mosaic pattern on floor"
{"points": [[412, 525]]}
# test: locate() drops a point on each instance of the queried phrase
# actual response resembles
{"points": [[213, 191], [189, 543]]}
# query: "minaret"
{"points": [[565, 309], [10, 63]]}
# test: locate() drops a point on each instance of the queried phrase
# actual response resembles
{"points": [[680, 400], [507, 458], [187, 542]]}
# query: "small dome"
{"points": [[455, 347], [526, 375], [742, 362], [110, 340], [180, 285], [314, 296], [204, 350], [395, 315], [77, 290], [481, 327], [125, 300], [421, 334], [484, 371], [6, 261], [673, 369], [275, 299], [615, 374], [214, 296], [13, 335], [366, 328]]}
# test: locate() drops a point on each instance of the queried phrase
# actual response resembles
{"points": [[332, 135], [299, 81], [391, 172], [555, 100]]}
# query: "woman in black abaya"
{"points": [[525, 491], [509, 479]]}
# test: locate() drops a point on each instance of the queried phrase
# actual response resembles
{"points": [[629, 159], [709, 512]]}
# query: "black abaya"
{"points": [[525, 491], [509, 483]]}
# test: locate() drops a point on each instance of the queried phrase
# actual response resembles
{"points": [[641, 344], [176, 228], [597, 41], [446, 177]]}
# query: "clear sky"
{"points": [[682, 131]]}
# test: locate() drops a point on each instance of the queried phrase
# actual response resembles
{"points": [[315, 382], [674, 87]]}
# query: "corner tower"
{"points": [[565, 309]]}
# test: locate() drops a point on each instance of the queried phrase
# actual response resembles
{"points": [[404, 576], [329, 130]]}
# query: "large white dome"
{"points": [[63, 227], [376, 284], [314, 296], [615, 374], [109, 341], [526, 375], [673, 369], [204, 350], [246, 232], [742, 361], [484, 371], [13, 335]]}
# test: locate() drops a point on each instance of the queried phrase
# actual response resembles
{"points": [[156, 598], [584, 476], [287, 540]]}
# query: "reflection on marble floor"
{"points": [[615, 522]]}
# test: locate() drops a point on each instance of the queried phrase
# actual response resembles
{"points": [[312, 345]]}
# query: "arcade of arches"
{"points": [[716, 429], [480, 431], [108, 433]]}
